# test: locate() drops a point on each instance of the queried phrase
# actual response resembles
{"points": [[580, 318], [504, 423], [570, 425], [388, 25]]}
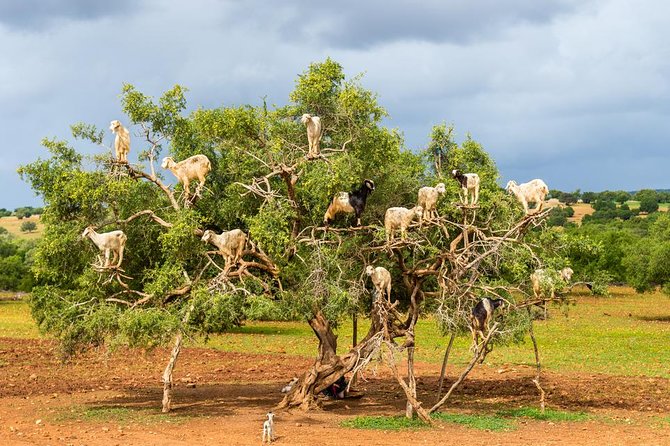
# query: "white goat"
{"points": [[469, 186], [195, 167], [314, 133], [534, 190], [545, 281], [381, 279], [288, 387], [108, 243], [268, 429], [400, 217], [230, 244], [428, 199], [121, 142]]}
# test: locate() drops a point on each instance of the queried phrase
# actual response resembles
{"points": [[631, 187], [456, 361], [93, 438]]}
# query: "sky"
{"points": [[575, 92]]}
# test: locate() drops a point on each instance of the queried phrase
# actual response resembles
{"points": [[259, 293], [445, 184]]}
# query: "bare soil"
{"points": [[221, 398]]}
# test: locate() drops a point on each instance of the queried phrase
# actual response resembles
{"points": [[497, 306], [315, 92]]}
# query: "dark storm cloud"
{"points": [[363, 24], [39, 14], [574, 92]]}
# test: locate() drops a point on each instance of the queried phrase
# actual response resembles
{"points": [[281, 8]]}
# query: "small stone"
{"points": [[32, 377], [298, 424], [105, 429], [38, 422], [190, 385]]}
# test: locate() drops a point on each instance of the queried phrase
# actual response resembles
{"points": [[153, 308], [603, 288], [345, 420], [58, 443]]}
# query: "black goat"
{"points": [[349, 202], [481, 317]]}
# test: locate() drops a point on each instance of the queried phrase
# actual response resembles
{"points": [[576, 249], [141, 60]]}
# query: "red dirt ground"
{"points": [[221, 398]]}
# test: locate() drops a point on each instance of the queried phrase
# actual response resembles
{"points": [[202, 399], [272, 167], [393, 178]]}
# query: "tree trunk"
{"points": [[411, 381], [167, 374], [536, 381], [328, 366], [444, 365]]}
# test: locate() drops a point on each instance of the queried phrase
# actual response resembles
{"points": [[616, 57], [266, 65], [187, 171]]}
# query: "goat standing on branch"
{"points": [[400, 218], [121, 142], [230, 244], [533, 191], [349, 202], [108, 243], [428, 197], [314, 133], [481, 317], [469, 186], [195, 167], [381, 279], [544, 281]]}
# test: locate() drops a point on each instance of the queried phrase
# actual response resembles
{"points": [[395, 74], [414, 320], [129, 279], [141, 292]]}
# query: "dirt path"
{"points": [[221, 398]]}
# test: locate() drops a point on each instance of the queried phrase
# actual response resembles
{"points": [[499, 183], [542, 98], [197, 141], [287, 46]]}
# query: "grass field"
{"points": [[13, 225], [624, 334], [632, 204]]}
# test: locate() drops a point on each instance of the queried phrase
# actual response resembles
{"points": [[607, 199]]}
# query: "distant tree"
{"points": [[5, 213], [555, 193], [649, 204], [28, 226], [646, 193], [603, 205], [15, 262], [588, 197], [557, 217], [622, 196]]}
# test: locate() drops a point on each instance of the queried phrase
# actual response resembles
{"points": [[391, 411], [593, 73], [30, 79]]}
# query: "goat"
{"points": [[349, 202], [108, 243], [428, 199], [121, 142], [230, 244], [314, 133], [469, 186], [381, 279], [268, 429], [545, 281], [481, 317], [287, 388], [535, 190], [195, 167], [400, 217]]}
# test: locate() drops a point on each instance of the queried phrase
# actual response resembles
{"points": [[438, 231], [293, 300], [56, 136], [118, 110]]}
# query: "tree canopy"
{"points": [[172, 284]]}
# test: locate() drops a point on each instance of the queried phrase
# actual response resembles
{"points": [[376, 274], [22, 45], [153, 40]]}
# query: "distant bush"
{"points": [[28, 226], [649, 205], [559, 215]]}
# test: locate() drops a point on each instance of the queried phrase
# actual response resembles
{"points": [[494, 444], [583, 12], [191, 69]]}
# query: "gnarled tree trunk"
{"points": [[328, 366]]}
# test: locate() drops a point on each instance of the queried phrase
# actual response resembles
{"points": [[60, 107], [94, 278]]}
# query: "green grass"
{"points": [[548, 415], [493, 423], [393, 423], [634, 204], [121, 415], [624, 334], [15, 320], [504, 420]]}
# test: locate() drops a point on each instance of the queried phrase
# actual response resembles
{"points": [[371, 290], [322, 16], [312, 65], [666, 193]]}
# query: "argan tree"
{"points": [[171, 284]]}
